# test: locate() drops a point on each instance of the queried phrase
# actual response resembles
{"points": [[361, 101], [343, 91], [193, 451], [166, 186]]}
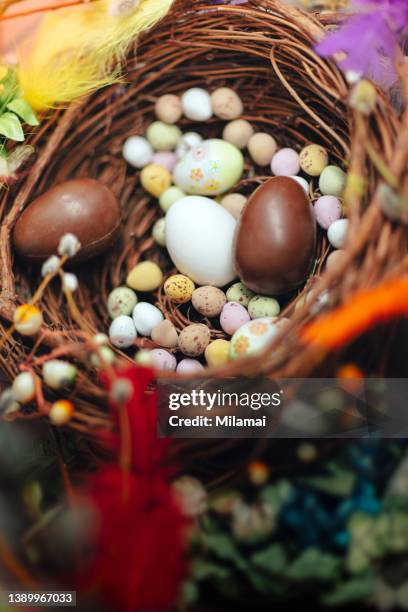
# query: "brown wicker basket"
{"points": [[264, 50]]}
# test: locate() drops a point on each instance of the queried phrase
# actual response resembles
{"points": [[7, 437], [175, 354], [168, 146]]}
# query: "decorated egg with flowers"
{"points": [[253, 336], [209, 169]]}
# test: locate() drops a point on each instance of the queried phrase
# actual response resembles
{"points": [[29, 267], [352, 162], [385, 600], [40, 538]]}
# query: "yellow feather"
{"points": [[78, 49]]}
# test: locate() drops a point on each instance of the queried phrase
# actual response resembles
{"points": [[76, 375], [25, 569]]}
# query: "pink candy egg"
{"points": [[166, 159], [285, 162], [163, 360], [327, 210], [232, 317], [189, 366]]}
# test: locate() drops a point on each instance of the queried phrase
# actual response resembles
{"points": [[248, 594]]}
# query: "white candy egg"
{"points": [[122, 332], [199, 237], [146, 317], [188, 141], [196, 104], [302, 182], [337, 233], [209, 169], [137, 151]]}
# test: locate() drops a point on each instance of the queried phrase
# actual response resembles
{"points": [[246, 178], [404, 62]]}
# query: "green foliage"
{"points": [[14, 110]]}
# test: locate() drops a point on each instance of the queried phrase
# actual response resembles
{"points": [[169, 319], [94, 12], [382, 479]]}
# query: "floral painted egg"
{"points": [[252, 337], [211, 168]]}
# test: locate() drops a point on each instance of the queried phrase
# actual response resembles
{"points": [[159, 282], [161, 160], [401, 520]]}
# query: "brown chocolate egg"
{"points": [[275, 238], [84, 207]]}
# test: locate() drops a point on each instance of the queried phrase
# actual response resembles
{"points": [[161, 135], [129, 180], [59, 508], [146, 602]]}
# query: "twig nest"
{"points": [[238, 133], [313, 159], [209, 301], [189, 366], [24, 387], [145, 276], [165, 334], [58, 374], [238, 292], [121, 301], [28, 320], [226, 103], [234, 203], [137, 151], [170, 197], [194, 339], [332, 181], [122, 332], [262, 306], [196, 104], [327, 210], [61, 412], [233, 316], [217, 353], [159, 232], [337, 233], [146, 317], [179, 288], [163, 360], [285, 162], [262, 147], [155, 179], [168, 109], [163, 137]]}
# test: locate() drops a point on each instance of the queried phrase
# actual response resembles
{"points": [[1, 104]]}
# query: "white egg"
{"points": [[146, 317], [302, 182], [137, 151], [199, 238], [211, 168], [122, 332], [196, 104], [188, 141], [253, 337], [337, 233]]}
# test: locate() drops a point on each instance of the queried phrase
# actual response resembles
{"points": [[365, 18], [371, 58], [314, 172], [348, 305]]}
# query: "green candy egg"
{"points": [[121, 301], [239, 293], [332, 181], [159, 232], [170, 197], [163, 137], [262, 306]]}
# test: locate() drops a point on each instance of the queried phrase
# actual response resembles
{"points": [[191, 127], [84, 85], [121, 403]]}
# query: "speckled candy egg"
{"points": [[189, 367], [332, 181], [169, 197], [122, 332], [238, 133], [167, 159], [285, 162], [194, 339], [209, 169], [168, 108], [262, 306], [239, 293], [337, 233], [155, 179], [165, 334], [313, 159], [327, 210], [121, 301], [209, 301], [226, 103], [179, 288], [146, 317], [262, 147], [163, 360], [252, 337], [232, 317], [163, 137]]}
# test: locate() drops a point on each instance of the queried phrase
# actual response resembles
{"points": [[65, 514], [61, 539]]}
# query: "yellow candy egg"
{"points": [[155, 179], [179, 288], [313, 159], [217, 353], [145, 276]]}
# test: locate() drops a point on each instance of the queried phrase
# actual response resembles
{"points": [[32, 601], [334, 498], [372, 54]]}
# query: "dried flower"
{"points": [[28, 319], [51, 265], [69, 245], [363, 97], [101, 339], [61, 412], [70, 282]]}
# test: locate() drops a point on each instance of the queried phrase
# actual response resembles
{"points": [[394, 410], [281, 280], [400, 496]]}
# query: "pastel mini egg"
{"points": [[194, 339], [169, 197], [145, 276], [168, 109], [163, 137], [285, 162], [122, 332], [165, 334], [137, 151], [302, 182], [262, 306], [232, 317], [226, 103], [239, 293], [253, 337], [238, 133], [337, 233], [189, 366], [196, 104], [262, 147], [159, 232], [163, 360], [313, 159], [167, 159], [234, 203], [335, 259], [188, 141], [332, 181], [209, 169], [121, 301], [155, 179], [146, 317], [209, 301], [179, 288], [327, 210], [217, 353]]}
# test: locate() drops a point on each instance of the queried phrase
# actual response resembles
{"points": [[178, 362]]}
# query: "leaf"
{"points": [[272, 559], [277, 494], [10, 127], [340, 485], [313, 564], [190, 592], [224, 548], [23, 110], [356, 589], [204, 569]]}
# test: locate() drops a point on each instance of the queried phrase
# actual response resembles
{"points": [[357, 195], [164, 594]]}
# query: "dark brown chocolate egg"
{"points": [[83, 207], [275, 238]]}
